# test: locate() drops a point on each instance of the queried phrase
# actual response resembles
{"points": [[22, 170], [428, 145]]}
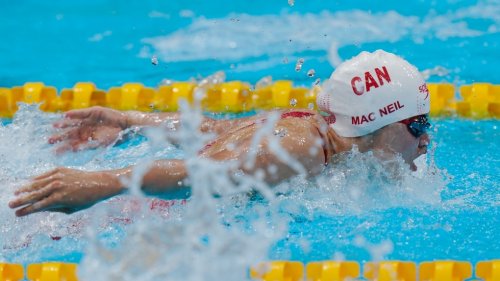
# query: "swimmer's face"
{"points": [[397, 139]]}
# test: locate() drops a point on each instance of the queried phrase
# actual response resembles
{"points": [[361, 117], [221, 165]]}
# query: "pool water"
{"points": [[447, 210], [112, 42]]}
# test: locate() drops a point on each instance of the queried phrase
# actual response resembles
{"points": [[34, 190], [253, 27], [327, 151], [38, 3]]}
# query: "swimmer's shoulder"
{"points": [[306, 114]]}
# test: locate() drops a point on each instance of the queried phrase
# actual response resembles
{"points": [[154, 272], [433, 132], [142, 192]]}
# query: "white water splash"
{"points": [[435, 71], [209, 231], [358, 183], [99, 36], [127, 238]]}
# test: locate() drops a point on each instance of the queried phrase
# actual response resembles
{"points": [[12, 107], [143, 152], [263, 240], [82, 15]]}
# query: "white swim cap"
{"points": [[370, 91]]}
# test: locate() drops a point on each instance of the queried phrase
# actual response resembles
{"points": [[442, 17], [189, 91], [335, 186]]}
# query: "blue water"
{"points": [[112, 42], [57, 42]]}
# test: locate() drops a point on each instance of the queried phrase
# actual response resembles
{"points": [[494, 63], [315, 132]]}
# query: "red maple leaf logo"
{"points": [[423, 89]]}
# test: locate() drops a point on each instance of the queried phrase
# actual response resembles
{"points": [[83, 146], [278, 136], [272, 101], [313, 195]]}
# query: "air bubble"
{"points": [[264, 81], [272, 169], [166, 82], [298, 65], [311, 73], [214, 79], [316, 82], [291, 3], [154, 60], [293, 102]]}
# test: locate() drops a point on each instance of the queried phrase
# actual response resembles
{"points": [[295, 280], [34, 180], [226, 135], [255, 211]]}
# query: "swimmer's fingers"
{"points": [[80, 113], [31, 198], [96, 139], [36, 184], [66, 123], [38, 206], [69, 134], [47, 174], [77, 119], [76, 141]]}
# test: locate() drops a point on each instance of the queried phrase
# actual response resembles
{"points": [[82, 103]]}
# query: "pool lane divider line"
{"points": [[475, 101], [443, 270]]}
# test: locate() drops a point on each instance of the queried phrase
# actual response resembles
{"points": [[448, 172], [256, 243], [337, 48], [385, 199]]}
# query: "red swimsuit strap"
{"points": [[297, 114]]}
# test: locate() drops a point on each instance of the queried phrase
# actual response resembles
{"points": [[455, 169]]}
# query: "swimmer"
{"points": [[375, 101]]}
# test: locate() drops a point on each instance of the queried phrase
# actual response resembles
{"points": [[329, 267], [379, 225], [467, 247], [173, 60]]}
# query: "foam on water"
{"points": [[291, 34]]}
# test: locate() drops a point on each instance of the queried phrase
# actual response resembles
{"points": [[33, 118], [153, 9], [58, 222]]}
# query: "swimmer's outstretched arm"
{"points": [[100, 126], [69, 190]]}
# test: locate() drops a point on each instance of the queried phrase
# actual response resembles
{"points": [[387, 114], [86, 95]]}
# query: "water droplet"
{"points": [[264, 81], [167, 82], [298, 65], [272, 169], [170, 125], [291, 2], [216, 78], [281, 132], [316, 82], [310, 106], [311, 73], [154, 60], [293, 102]]}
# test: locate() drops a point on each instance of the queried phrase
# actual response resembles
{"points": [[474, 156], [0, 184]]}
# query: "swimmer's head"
{"points": [[371, 91]]}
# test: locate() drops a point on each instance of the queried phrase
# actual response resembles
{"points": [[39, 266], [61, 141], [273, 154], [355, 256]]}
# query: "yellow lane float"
{"points": [[477, 101]]}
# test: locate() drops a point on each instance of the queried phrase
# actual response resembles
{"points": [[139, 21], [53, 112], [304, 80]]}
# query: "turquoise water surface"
{"points": [[448, 210]]}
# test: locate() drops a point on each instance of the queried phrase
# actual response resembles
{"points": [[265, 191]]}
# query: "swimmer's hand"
{"points": [[88, 128], [65, 190]]}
